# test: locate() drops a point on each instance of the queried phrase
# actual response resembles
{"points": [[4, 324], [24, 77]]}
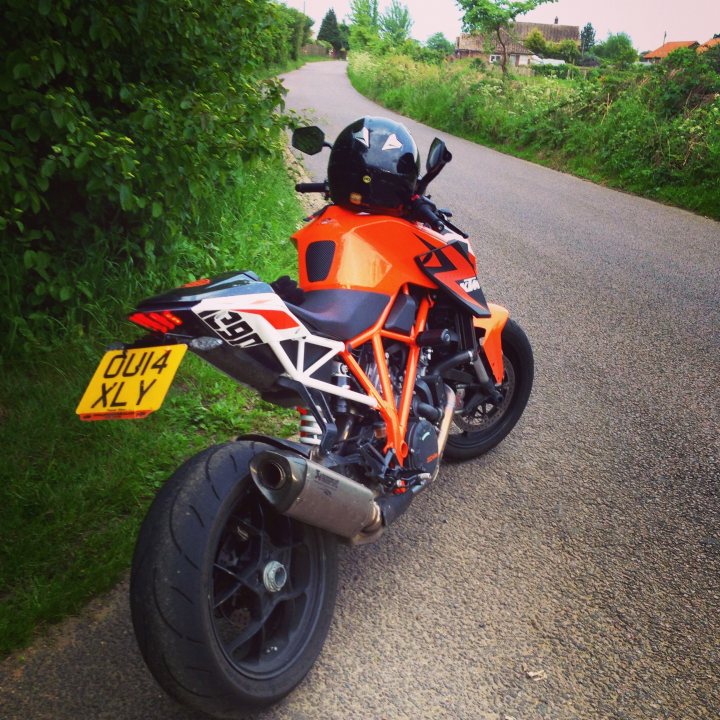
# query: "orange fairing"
{"points": [[368, 252], [492, 343]]}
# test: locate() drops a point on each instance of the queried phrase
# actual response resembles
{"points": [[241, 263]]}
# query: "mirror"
{"points": [[438, 156], [309, 140]]}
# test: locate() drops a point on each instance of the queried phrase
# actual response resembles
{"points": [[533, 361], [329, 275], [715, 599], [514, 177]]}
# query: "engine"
{"points": [[425, 415], [423, 449]]}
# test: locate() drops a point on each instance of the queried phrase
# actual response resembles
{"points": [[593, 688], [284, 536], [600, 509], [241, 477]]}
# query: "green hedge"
{"points": [[72, 494], [118, 123], [139, 147]]}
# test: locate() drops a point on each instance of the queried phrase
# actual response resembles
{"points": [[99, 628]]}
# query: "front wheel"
{"points": [[484, 425], [231, 602]]}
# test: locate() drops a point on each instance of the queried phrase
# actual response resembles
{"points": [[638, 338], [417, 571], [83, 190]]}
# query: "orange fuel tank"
{"points": [[346, 250]]}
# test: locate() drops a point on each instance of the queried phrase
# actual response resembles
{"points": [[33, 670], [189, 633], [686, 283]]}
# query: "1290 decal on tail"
{"points": [[231, 327]]}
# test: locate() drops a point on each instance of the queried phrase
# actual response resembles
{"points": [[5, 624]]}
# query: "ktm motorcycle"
{"points": [[395, 362]]}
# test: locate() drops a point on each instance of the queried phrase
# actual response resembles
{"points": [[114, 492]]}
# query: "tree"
{"points": [[536, 42], [587, 38], [440, 44], [395, 23], [364, 23], [307, 29], [364, 12], [344, 30], [495, 16], [617, 49], [297, 28], [568, 51], [329, 30]]}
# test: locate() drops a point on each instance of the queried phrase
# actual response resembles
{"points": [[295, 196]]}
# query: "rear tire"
{"points": [[231, 602], [494, 424]]}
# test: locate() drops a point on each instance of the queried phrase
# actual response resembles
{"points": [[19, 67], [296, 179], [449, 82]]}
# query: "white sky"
{"points": [[646, 21]]}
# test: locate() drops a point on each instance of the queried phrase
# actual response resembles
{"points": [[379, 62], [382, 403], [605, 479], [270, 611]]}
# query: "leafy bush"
{"points": [[138, 148], [684, 81], [553, 71], [72, 494], [566, 50], [536, 42], [118, 123]]}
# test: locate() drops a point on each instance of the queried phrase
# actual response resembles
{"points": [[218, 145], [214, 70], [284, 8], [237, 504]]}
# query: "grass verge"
{"points": [[73, 494], [635, 130]]}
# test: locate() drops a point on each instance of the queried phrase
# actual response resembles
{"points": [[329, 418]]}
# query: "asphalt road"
{"points": [[571, 573]]}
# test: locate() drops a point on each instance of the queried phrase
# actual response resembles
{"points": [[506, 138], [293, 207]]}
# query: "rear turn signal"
{"points": [[163, 321]]}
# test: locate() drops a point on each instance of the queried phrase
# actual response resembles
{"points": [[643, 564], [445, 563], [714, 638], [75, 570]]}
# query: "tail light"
{"points": [[163, 321]]}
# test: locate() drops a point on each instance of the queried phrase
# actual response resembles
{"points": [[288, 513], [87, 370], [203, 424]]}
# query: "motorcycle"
{"points": [[395, 361]]}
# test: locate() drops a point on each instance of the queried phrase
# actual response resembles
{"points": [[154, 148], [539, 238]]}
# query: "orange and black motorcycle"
{"points": [[395, 361]]}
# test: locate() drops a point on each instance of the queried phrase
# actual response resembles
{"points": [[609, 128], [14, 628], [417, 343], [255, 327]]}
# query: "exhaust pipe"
{"points": [[447, 418], [313, 494]]}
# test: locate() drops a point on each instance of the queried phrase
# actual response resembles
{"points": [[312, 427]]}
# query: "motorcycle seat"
{"points": [[340, 314]]}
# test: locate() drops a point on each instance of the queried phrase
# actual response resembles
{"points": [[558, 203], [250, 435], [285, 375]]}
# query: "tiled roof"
{"points": [[668, 47], [710, 43], [552, 32], [477, 43]]}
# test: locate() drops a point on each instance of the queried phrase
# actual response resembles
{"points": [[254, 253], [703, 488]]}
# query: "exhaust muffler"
{"points": [[448, 412], [313, 494]]}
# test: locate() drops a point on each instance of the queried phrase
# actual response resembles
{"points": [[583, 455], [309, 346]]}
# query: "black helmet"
{"points": [[374, 166]]}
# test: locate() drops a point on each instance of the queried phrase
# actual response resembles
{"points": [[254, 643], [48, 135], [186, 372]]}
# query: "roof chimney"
{"points": [[556, 20]]}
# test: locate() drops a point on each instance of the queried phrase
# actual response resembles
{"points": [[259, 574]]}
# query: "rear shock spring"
{"points": [[310, 431]]}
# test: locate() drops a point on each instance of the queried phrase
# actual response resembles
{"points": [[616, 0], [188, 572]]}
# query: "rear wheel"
{"points": [[481, 425], [231, 601]]}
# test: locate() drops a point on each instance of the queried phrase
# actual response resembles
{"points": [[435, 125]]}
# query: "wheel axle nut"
{"points": [[274, 576]]}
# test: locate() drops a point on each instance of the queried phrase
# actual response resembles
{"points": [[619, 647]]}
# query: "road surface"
{"points": [[574, 572]]}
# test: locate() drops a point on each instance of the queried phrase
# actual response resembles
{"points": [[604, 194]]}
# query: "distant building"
{"points": [[476, 46], [490, 49], [655, 56], [709, 44]]}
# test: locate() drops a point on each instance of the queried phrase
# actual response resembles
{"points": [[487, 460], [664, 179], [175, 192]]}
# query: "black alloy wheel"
{"points": [[231, 601], [480, 425], [266, 586]]}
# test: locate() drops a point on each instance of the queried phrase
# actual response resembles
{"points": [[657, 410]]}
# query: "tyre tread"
{"points": [[160, 612], [169, 606]]}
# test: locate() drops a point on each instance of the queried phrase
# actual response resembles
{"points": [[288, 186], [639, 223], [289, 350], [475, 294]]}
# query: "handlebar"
{"points": [[425, 211], [316, 187]]}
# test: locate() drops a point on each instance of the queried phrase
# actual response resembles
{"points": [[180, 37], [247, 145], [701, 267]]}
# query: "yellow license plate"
{"points": [[130, 384]]}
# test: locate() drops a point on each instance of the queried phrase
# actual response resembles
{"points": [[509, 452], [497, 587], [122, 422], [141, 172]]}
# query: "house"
{"points": [[490, 49], [715, 42], [476, 46], [655, 56]]}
